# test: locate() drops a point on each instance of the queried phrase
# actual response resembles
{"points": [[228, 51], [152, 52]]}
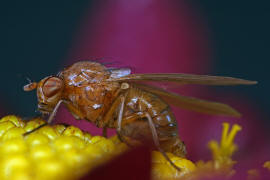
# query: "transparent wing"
{"points": [[191, 103], [117, 73], [184, 79]]}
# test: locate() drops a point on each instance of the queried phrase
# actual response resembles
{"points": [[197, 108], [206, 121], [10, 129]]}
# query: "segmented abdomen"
{"points": [[141, 101]]}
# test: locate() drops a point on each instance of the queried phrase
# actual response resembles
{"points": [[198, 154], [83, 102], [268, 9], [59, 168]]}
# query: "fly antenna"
{"points": [[30, 86], [28, 79]]}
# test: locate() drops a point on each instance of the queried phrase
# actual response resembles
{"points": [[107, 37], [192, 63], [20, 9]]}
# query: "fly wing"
{"points": [[117, 73], [191, 103], [184, 79]]}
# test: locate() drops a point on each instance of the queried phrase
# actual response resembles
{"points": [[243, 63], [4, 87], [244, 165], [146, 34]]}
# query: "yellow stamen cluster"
{"points": [[52, 152], [59, 152], [223, 151], [222, 164]]}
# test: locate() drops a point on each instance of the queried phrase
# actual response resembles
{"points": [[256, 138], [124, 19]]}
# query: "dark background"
{"points": [[37, 35]]}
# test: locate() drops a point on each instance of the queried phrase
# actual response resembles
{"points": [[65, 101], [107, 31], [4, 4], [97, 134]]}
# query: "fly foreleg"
{"points": [[51, 117]]}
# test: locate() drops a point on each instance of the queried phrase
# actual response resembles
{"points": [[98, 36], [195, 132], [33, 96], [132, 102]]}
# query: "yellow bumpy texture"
{"points": [[59, 152]]}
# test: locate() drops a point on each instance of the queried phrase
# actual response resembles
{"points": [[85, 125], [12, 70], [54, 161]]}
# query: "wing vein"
{"points": [[185, 79]]}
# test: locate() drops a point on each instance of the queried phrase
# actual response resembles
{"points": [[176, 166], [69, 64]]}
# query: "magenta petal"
{"points": [[134, 164]]}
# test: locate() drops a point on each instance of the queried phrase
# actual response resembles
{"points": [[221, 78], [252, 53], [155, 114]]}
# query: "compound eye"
{"points": [[52, 86]]}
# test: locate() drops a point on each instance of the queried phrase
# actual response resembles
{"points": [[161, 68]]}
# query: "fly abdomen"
{"points": [[167, 130], [139, 101]]}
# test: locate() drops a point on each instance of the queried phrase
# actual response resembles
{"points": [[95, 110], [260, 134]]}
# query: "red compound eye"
{"points": [[52, 86]]}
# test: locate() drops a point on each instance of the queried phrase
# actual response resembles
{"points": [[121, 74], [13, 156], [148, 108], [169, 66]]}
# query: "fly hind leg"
{"points": [[141, 115], [156, 141]]}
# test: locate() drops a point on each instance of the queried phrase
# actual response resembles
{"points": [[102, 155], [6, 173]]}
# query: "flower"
{"points": [[63, 152], [66, 152]]}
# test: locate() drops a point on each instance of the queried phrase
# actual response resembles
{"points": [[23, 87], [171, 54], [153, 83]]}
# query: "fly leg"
{"points": [[121, 104], [106, 120], [120, 119], [50, 119], [156, 141], [104, 132], [140, 115]]}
